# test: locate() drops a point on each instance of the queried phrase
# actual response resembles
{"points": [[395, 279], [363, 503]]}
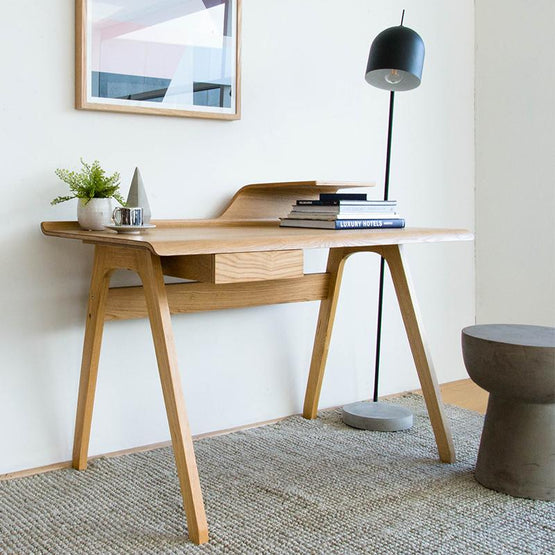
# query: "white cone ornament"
{"points": [[137, 195]]}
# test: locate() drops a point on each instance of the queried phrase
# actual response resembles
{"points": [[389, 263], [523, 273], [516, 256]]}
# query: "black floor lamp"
{"points": [[394, 64]]}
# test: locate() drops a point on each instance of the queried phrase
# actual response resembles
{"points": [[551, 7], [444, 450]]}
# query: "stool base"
{"points": [[517, 449]]}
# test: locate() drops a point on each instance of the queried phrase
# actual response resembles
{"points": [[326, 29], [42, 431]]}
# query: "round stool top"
{"points": [[512, 361], [514, 334]]}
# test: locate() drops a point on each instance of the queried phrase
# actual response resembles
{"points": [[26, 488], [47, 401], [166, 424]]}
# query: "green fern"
{"points": [[90, 182]]}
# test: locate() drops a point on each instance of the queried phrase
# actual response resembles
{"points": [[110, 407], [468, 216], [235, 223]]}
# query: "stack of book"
{"points": [[344, 211]]}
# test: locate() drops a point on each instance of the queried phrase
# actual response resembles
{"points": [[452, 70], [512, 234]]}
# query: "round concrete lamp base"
{"points": [[376, 416]]}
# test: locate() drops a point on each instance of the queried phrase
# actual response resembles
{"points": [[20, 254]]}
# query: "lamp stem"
{"points": [[382, 266], [379, 332], [388, 153]]}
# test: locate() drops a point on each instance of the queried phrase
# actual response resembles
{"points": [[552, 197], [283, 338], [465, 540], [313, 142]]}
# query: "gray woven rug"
{"points": [[297, 486]]}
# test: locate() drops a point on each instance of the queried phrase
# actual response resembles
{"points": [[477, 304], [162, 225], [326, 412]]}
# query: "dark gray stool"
{"points": [[516, 364]]}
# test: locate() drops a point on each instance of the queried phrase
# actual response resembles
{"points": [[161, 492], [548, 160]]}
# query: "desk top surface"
{"points": [[182, 237]]}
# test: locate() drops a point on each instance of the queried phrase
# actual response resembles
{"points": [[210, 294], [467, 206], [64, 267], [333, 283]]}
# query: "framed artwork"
{"points": [[163, 57]]}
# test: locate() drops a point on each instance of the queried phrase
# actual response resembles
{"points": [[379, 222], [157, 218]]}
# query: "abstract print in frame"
{"points": [[162, 57]]}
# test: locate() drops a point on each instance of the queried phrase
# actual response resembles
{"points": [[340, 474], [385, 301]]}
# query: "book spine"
{"points": [[361, 202], [343, 196], [343, 216], [317, 203], [363, 224]]}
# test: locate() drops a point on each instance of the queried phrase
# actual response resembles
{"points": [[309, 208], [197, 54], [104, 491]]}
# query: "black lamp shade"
{"points": [[396, 60]]}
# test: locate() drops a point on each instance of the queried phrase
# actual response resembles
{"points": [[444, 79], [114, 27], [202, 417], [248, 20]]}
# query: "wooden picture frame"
{"points": [[159, 57]]}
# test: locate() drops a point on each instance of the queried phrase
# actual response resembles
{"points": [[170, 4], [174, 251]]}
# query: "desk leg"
{"points": [[150, 271], [407, 302], [91, 352], [326, 316]]}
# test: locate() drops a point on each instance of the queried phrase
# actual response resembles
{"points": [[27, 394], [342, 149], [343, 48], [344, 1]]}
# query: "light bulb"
{"points": [[394, 77]]}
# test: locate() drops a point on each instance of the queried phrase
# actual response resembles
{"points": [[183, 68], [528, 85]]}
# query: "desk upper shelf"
{"points": [[274, 200]]}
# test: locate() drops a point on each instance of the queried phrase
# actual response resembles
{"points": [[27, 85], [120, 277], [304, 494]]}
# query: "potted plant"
{"points": [[94, 191]]}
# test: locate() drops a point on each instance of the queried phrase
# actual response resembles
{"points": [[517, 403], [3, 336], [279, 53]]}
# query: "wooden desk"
{"points": [[236, 261]]}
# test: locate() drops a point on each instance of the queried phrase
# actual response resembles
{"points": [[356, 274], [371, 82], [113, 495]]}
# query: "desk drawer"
{"points": [[235, 267]]}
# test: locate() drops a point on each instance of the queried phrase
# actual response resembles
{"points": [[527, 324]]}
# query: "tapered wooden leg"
{"points": [[150, 271], [326, 316], [407, 302], [91, 352]]}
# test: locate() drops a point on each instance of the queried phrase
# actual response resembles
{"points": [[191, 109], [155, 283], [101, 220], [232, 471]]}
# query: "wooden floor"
{"points": [[465, 394]]}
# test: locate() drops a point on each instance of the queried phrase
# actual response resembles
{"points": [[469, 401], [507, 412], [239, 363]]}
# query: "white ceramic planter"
{"points": [[95, 214]]}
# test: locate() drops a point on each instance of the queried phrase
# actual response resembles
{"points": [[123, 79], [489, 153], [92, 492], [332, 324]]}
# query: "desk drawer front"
{"points": [[257, 266], [236, 267]]}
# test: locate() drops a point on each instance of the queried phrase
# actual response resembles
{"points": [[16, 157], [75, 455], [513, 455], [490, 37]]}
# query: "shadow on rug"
{"points": [[297, 486]]}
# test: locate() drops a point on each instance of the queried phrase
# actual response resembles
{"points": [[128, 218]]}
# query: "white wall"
{"points": [[307, 114], [515, 161]]}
